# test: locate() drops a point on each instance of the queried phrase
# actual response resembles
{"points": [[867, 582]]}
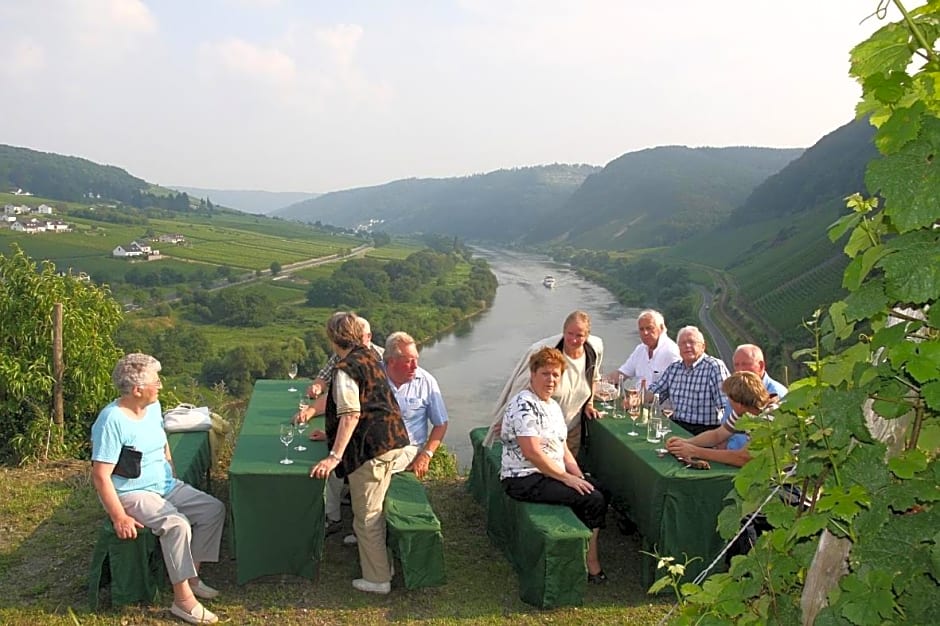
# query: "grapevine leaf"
{"points": [[858, 241], [887, 88], [931, 393], [908, 463], [808, 526], [868, 598], [902, 127], [860, 266], [843, 225], [913, 274], [922, 369], [929, 438], [910, 180], [659, 585], [930, 350], [868, 300], [885, 51]]}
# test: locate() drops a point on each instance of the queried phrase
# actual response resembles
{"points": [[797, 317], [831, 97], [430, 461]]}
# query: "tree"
{"points": [[90, 316], [275, 268], [862, 433]]}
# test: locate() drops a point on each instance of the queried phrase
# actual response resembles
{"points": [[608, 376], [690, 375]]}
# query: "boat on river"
{"points": [[549, 281]]}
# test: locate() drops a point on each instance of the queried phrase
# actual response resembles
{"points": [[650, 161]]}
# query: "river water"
{"points": [[472, 363]]}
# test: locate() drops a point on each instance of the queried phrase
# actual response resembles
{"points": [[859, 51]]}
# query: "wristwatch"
{"points": [[335, 456], [430, 453]]}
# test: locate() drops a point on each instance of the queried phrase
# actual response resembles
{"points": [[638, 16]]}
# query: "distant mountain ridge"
{"points": [[248, 200], [498, 206], [660, 196]]}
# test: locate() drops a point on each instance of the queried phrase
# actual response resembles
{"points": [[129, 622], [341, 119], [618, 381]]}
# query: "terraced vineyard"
{"points": [[788, 304]]}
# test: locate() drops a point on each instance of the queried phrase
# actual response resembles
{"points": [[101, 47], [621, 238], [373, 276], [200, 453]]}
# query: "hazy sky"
{"points": [[319, 95]]}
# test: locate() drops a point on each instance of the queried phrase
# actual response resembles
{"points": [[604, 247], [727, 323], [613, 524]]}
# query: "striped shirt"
{"points": [[695, 391]]}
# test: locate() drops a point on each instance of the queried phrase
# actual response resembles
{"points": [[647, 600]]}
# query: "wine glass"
{"points": [[632, 400], [667, 409], [663, 427], [292, 372], [287, 436], [300, 426]]}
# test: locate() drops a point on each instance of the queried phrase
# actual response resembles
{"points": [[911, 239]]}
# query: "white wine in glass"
{"points": [[632, 400], [300, 426], [292, 372]]}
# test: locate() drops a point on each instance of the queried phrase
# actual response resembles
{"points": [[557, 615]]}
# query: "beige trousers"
{"points": [[367, 487]]}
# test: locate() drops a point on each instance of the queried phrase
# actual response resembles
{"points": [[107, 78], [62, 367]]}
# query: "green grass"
{"points": [[50, 516]]}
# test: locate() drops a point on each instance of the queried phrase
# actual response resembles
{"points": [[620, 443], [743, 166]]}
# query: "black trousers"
{"points": [[590, 508], [696, 429]]}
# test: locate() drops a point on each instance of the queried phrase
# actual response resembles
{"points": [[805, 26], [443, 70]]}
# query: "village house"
{"points": [[58, 226], [175, 238], [135, 251], [30, 226]]}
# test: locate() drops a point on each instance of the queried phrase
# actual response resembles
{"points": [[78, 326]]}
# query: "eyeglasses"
{"points": [[157, 383]]}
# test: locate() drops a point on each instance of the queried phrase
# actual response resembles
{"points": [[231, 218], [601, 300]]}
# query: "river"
{"points": [[472, 363]]}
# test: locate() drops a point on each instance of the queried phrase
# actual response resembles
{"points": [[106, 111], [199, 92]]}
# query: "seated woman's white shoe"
{"points": [[197, 615], [204, 591], [364, 585]]}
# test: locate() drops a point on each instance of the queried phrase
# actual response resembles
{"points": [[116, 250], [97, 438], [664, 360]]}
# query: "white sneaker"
{"points": [[198, 614], [350, 540], [364, 585]]}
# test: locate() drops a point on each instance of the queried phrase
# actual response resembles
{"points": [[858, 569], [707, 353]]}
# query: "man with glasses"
{"points": [[693, 384]]}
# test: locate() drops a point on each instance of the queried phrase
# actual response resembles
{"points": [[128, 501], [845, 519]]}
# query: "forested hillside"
{"points": [[64, 177], [775, 245], [499, 206], [660, 196]]}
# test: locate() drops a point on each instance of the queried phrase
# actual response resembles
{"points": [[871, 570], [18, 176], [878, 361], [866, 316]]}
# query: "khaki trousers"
{"points": [[367, 487]]}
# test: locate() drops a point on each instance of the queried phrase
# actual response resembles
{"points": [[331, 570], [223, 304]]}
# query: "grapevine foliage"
{"points": [[871, 482]]}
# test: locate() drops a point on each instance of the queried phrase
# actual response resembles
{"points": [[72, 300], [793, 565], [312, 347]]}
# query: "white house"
{"points": [[29, 227], [57, 226], [135, 250], [44, 209], [172, 238]]}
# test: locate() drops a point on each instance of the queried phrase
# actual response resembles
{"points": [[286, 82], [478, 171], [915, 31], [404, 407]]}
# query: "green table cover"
{"points": [[192, 457], [546, 543], [134, 567], [414, 532], [675, 508], [277, 511]]}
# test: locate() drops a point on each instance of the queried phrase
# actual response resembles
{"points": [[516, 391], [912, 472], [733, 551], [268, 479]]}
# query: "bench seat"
{"points": [[134, 567], [546, 543], [414, 532]]}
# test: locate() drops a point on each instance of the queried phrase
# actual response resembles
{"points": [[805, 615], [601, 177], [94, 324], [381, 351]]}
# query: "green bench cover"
{"points": [[414, 532], [546, 544], [134, 567]]}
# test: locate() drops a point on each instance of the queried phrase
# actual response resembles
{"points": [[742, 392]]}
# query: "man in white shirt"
{"points": [[655, 352]]}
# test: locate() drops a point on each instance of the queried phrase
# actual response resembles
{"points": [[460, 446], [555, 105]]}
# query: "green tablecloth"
{"points": [[192, 457], [675, 508], [277, 511]]}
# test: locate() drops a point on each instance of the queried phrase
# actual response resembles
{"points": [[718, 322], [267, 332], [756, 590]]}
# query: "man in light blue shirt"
{"points": [[420, 400], [750, 358]]}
